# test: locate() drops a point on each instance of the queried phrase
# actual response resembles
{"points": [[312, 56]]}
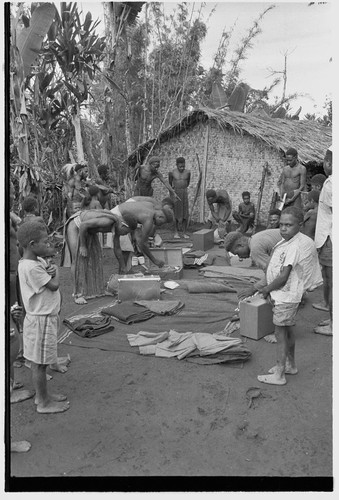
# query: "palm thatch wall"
{"points": [[309, 138]]}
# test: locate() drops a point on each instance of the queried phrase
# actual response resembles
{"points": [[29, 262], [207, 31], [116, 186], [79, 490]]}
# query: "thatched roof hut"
{"points": [[233, 147]]}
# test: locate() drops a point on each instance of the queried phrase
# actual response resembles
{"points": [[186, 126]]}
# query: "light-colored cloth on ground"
{"points": [[324, 218], [181, 345]]}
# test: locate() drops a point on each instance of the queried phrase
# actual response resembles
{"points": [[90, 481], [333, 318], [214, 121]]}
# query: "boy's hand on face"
{"points": [[52, 270]]}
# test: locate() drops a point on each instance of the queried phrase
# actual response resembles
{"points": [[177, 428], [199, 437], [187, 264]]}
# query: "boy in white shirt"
{"points": [[285, 285], [39, 287]]}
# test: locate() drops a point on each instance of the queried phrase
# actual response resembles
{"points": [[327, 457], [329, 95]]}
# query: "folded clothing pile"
{"points": [[197, 258], [89, 327], [162, 307], [128, 312], [219, 348]]}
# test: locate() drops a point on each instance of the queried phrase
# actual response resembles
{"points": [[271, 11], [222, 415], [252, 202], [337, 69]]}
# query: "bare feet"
{"points": [[17, 385], [20, 446], [271, 338], [186, 236], [325, 322], [288, 369], [53, 407], [321, 306], [80, 300], [52, 397], [273, 379], [324, 330], [176, 236], [61, 365], [18, 396]]}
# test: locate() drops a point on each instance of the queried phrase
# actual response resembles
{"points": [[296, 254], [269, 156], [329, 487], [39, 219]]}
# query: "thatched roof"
{"points": [[309, 138]]}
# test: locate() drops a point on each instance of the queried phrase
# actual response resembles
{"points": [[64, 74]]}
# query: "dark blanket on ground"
{"points": [[208, 312], [128, 312], [90, 327]]}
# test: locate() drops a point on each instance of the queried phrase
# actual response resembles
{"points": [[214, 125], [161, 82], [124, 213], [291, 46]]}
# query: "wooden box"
{"points": [[203, 239], [138, 288], [256, 318], [171, 257]]}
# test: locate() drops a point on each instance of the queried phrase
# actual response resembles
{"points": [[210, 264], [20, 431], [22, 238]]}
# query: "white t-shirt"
{"points": [[323, 227], [300, 253], [38, 300]]}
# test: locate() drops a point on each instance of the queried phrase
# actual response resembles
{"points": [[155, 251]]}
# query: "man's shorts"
{"points": [[285, 314], [325, 253], [40, 335]]}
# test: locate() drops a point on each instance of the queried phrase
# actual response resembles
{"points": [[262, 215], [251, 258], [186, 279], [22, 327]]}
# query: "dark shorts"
{"points": [[325, 253]]}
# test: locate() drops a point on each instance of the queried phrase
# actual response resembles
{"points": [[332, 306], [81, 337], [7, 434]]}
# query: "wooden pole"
{"points": [[204, 175], [196, 191], [261, 189]]}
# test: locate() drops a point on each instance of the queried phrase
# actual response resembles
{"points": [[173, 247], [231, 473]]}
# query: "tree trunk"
{"points": [[78, 136]]}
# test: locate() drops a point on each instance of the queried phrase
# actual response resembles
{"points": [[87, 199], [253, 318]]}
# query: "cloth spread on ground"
{"points": [[203, 286], [197, 258], [245, 273], [181, 345], [162, 307], [213, 311], [90, 327], [128, 312]]}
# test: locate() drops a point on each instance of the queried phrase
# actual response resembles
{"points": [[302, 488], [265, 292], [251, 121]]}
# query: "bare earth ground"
{"points": [[133, 417]]}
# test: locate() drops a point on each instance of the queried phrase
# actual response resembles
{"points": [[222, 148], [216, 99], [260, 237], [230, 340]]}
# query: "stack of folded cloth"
{"points": [[89, 327], [128, 312], [162, 307]]}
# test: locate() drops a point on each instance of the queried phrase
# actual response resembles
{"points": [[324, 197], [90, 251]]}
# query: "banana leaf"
{"points": [[30, 39]]}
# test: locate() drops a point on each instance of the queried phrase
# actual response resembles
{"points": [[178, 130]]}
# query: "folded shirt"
{"points": [[128, 312]]}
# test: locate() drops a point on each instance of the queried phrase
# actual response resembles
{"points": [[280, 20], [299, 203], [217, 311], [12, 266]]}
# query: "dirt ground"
{"points": [[138, 417]]}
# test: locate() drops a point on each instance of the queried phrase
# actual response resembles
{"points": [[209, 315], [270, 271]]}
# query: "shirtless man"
{"points": [[145, 176], [292, 180], [148, 215], [74, 189], [179, 179], [220, 206], [121, 220]]}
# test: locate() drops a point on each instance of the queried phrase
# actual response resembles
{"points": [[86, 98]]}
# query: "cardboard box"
{"points": [[256, 318], [138, 288], [171, 257], [203, 239]]}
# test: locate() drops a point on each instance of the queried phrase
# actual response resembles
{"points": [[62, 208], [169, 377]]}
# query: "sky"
{"points": [[304, 32]]}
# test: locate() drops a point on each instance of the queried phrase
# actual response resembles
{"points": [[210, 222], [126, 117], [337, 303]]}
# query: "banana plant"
{"points": [[27, 35], [77, 51]]}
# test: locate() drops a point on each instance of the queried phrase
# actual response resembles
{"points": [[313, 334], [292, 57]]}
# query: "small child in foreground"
{"points": [[285, 286], [41, 298]]}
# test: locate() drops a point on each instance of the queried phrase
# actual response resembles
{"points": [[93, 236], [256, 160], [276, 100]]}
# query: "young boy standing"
{"points": [[246, 213], [286, 285], [41, 298]]}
